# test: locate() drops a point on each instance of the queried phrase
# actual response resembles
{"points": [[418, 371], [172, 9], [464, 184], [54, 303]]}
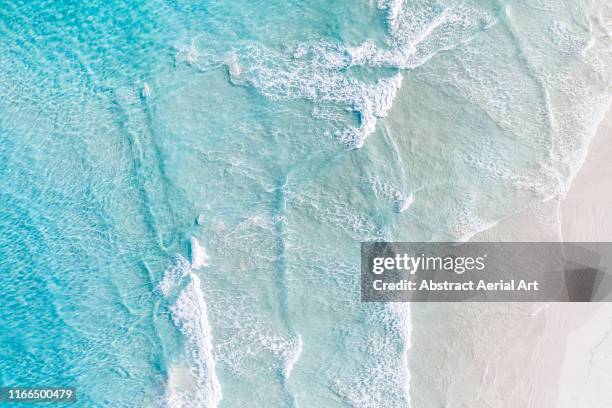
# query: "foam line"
{"points": [[190, 315]]}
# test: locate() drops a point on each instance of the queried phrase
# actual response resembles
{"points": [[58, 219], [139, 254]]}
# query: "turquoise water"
{"points": [[184, 185]]}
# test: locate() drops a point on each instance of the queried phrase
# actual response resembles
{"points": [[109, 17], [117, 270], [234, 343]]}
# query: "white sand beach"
{"points": [[519, 354], [586, 215]]}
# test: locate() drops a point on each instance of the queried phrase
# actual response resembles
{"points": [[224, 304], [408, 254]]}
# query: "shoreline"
{"points": [[528, 354], [586, 210]]}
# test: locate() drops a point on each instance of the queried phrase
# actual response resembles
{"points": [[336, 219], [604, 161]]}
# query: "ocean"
{"points": [[184, 184]]}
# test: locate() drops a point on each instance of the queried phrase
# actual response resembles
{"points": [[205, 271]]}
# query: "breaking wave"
{"points": [[201, 387], [292, 357], [326, 74]]}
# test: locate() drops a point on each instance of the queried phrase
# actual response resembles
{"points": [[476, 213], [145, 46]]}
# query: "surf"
{"points": [[189, 313]]}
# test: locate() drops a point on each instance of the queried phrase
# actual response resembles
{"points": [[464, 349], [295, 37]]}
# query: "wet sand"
{"points": [[519, 354]]}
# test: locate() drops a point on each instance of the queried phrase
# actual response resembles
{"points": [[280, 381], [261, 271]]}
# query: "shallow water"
{"points": [[184, 185]]}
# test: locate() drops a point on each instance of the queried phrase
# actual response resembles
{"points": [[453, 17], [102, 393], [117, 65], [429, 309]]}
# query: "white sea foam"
{"points": [[401, 312], [372, 103], [419, 32], [406, 202], [190, 315], [199, 258], [187, 53], [385, 382], [321, 72], [234, 67], [394, 9], [314, 73], [292, 357], [173, 276], [146, 90], [386, 191]]}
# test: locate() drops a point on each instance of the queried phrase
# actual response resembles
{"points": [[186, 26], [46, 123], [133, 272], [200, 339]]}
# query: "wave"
{"points": [[326, 74], [386, 191], [199, 258], [292, 357], [403, 321], [190, 315], [384, 381], [323, 73]]}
